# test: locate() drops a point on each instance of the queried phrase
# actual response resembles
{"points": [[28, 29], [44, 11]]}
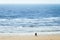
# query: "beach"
{"points": [[23, 21], [31, 37]]}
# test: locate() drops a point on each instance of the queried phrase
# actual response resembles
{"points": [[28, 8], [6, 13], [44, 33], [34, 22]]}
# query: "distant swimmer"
{"points": [[35, 34]]}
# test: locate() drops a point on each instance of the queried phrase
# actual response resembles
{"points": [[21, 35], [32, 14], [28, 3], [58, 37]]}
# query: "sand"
{"points": [[31, 37]]}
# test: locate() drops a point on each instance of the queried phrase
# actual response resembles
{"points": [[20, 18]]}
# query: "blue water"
{"points": [[29, 18], [29, 11]]}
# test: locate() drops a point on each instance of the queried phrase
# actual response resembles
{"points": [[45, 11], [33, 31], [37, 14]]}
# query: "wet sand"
{"points": [[31, 37]]}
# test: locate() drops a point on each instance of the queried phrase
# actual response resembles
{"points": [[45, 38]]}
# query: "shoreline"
{"points": [[33, 33], [31, 37]]}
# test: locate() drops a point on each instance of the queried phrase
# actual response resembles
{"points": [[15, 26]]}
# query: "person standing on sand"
{"points": [[35, 34]]}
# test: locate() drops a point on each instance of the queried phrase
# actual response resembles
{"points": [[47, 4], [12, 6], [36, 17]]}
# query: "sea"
{"points": [[30, 18]]}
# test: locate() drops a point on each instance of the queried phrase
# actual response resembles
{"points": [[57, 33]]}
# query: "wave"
{"points": [[19, 29], [21, 25], [52, 21]]}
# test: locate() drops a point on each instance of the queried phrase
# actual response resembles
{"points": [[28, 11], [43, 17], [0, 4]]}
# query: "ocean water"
{"points": [[29, 18]]}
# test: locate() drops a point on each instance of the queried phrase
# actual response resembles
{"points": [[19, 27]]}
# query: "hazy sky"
{"points": [[29, 1]]}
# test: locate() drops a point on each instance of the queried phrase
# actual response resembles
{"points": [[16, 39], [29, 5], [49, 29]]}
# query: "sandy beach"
{"points": [[31, 37]]}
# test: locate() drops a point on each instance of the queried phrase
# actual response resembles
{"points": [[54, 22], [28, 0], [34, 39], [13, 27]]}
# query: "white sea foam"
{"points": [[12, 29], [24, 25]]}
